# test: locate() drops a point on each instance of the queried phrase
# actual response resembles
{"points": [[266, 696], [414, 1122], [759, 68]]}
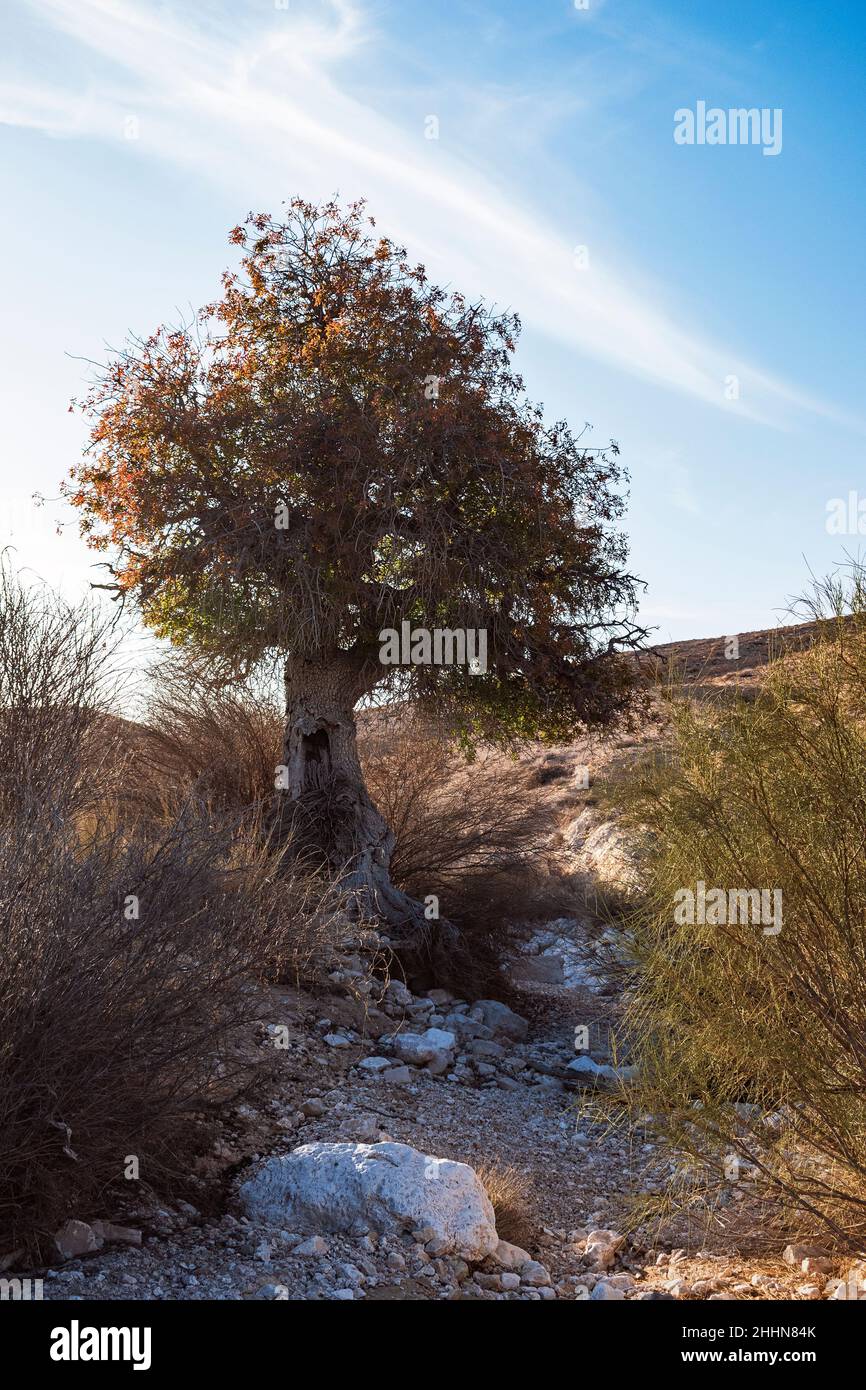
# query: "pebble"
{"points": [[534, 1274], [606, 1292]]}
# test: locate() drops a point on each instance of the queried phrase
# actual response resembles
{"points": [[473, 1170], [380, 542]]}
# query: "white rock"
{"points": [[678, 1287], [534, 1274], [501, 1019], [609, 854], [585, 1066], [603, 1237], [314, 1246], [420, 1048], [117, 1235], [556, 957], [365, 1129], [602, 1247], [391, 1187], [510, 1256], [576, 831], [374, 1064], [796, 1254], [398, 994], [272, 1293], [607, 1292], [76, 1238]]}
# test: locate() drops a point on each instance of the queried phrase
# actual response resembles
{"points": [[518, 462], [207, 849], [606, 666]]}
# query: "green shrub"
{"points": [[752, 1043]]}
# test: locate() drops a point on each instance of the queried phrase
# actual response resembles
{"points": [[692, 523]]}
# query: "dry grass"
{"points": [[509, 1193], [220, 745], [467, 831], [467, 834], [58, 745]]}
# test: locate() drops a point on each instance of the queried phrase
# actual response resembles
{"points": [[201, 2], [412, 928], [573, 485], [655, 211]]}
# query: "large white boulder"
{"points": [[387, 1187], [610, 856]]}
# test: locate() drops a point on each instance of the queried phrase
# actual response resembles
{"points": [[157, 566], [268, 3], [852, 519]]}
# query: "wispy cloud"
{"points": [[267, 111], [671, 478]]}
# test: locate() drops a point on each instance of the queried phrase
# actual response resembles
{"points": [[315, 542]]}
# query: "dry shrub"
{"points": [[129, 961], [58, 742], [468, 833], [112, 1030], [752, 1045], [509, 1193], [218, 743]]}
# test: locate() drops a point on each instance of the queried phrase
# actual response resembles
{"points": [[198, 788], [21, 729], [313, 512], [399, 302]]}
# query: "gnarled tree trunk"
{"points": [[330, 812]]}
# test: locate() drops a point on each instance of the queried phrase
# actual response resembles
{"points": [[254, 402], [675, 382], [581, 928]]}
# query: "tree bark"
{"points": [[329, 812]]}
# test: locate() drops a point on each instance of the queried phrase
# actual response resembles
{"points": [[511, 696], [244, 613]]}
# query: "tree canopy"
{"points": [[337, 446]]}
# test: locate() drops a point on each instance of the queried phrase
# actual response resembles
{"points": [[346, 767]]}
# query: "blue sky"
{"points": [[134, 134]]}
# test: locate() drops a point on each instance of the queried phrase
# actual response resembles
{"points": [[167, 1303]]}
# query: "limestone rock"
{"points": [[501, 1020], [609, 855], [606, 1291], [534, 1274], [796, 1254], [510, 1256], [391, 1187], [116, 1235], [601, 1248], [420, 1048], [76, 1238]]}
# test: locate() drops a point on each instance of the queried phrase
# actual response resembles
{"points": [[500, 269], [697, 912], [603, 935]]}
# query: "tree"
{"points": [[332, 450]]}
